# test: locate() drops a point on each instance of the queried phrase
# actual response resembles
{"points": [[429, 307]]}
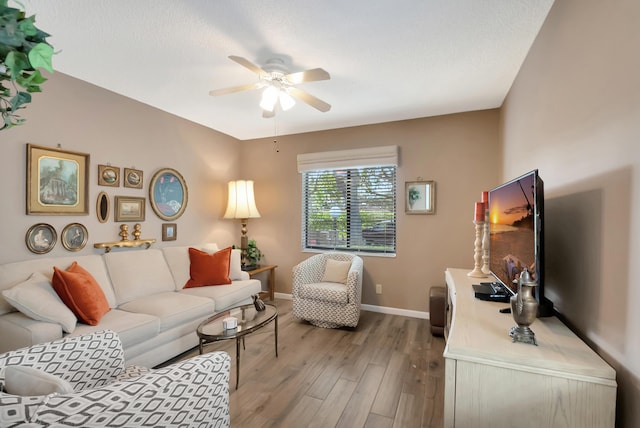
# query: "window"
{"points": [[350, 209]]}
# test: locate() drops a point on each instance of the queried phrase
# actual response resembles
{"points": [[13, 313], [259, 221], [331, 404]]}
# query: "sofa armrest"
{"points": [[194, 392]]}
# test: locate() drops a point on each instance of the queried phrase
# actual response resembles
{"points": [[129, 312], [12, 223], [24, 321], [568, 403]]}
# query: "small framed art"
{"points": [[108, 175], [41, 238], [128, 208], [74, 237], [420, 197], [133, 178], [169, 231]]}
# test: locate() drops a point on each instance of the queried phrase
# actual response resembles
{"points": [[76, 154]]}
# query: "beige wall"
{"points": [[574, 113], [114, 129], [460, 152]]}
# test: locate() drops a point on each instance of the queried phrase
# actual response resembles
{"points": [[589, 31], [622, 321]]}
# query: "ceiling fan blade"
{"points": [[306, 97], [312, 75], [248, 64], [268, 114], [233, 89]]}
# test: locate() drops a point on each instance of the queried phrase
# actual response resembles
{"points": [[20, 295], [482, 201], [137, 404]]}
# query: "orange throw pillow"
{"points": [[209, 269], [81, 293]]}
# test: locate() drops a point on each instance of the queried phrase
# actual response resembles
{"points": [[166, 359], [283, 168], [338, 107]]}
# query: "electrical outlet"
{"points": [[378, 288]]}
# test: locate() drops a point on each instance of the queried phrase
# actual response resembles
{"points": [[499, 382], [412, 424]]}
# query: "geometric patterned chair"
{"points": [[193, 392], [325, 303]]}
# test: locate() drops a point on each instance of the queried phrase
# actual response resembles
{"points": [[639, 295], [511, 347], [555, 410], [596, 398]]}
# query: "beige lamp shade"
{"points": [[241, 203]]}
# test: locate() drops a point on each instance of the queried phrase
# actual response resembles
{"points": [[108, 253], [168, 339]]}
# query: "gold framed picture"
{"points": [[41, 238], [57, 181], [168, 194], [420, 197], [74, 237], [169, 231], [108, 175], [133, 178], [103, 207], [129, 208]]}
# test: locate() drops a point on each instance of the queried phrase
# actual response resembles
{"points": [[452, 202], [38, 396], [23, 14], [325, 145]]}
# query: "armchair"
{"points": [[193, 392], [323, 303]]}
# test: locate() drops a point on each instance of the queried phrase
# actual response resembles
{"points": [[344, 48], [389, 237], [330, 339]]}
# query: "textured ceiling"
{"points": [[389, 60]]}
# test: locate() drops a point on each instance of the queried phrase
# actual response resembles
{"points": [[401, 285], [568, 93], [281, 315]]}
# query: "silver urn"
{"points": [[524, 308]]}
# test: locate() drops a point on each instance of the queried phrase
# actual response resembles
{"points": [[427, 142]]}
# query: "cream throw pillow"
{"points": [[28, 382], [37, 299], [336, 271]]}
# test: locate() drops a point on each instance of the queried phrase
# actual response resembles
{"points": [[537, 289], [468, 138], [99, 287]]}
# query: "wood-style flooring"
{"points": [[387, 372]]}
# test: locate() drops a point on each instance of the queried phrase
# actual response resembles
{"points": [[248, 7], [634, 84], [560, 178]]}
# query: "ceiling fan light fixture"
{"points": [[269, 98], [286, 100]]}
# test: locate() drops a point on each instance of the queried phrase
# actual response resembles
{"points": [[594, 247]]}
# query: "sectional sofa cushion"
{"points": [[81, 293], [171, 308], [17, 272], [208, 269], [36, 299], [227, 296], [132, 328], [135, 274]]}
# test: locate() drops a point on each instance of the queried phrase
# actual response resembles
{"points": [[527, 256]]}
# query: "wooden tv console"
{"points": [[492, 382]]}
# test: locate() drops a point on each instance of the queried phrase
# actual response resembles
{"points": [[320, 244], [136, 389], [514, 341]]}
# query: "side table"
{"points": [[272, 279]]}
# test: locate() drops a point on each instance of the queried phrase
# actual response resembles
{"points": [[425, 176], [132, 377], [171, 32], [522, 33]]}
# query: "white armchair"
{"points": [[325, 303], [193, 392]]}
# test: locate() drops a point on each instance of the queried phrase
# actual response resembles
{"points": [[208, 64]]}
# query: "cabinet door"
{"points": [[492, 397]]}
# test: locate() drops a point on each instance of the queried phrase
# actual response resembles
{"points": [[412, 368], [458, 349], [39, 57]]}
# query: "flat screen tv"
{"points": [[516, 224]]}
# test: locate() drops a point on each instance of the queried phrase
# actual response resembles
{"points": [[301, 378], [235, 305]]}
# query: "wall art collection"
{"points": [[58, 184]]}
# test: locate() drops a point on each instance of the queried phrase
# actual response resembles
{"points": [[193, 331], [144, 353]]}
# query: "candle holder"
{"points": [[477, 256], [485, 246]]}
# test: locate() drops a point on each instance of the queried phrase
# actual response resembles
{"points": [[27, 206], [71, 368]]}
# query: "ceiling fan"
{"points": [[279, 85]]}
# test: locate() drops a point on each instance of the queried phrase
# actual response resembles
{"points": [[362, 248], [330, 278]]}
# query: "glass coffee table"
{"points": [[249, 320]]}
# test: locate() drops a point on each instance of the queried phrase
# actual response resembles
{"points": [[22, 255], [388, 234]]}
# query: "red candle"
{"points": [[485, 198], [479, 211]]}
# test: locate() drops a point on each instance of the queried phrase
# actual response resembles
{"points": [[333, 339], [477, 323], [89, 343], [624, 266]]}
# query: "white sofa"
{"points": [[83, 381], [154, 316]]}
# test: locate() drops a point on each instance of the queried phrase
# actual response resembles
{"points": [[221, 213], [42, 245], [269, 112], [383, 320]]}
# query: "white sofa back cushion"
{"points": [[17, 272], [136, 274]]}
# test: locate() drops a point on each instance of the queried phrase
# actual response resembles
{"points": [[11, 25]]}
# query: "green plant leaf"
{"points": [[16, 62], [40, 57], [19, 100]]}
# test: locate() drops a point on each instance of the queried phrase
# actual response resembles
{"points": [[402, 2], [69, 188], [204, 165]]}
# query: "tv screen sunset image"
{"points": [[512, 238]]}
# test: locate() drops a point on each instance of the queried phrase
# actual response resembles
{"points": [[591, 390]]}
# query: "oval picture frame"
{"points": [[103, 207], [74, 236], [168, 194], [41, 238]]}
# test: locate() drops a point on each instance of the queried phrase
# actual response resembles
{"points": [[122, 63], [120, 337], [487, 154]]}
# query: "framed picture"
{"points": [[420, 197], [41, 238], [74, 237], [168, 194], [133, 178], [129, 208], [57, 181], [169, 231], [108, 175], [103, 207]]}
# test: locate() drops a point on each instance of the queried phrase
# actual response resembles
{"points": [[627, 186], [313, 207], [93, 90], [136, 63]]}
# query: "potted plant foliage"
{"points": [[254, 255], [23, 50]]}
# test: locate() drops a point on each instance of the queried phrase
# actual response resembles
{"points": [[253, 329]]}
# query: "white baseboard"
{"points": [[379, 309]]}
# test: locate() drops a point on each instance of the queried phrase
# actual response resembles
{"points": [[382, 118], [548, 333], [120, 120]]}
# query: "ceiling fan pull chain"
{"points": [[276, 147]]}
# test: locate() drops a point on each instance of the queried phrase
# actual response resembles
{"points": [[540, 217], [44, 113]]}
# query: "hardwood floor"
{"points": [[387, 372]]}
